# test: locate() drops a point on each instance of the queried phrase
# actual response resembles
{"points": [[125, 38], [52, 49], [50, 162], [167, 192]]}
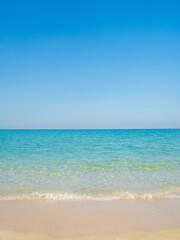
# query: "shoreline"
{"points": [[71, 196], [84, 219]]}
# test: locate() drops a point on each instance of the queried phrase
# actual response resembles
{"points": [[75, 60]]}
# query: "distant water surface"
{"points": [[89, 164]]}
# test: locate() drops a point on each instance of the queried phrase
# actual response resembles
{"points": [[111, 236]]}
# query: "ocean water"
{"points": [[89, 164]]}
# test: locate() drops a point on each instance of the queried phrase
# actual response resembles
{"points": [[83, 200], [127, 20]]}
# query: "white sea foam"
{"points": [[71, 196]]}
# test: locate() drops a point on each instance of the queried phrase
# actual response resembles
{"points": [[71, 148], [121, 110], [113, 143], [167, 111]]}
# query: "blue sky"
{"points": [[89, 64]]}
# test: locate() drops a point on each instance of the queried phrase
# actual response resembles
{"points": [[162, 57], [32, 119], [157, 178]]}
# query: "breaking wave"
{"points": [[72, 196]]}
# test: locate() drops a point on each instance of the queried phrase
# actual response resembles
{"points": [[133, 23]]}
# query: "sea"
{"points": [[94, 165]]}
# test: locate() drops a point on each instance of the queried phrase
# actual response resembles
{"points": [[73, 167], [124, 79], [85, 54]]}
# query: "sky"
{"points": [[89, 64]]}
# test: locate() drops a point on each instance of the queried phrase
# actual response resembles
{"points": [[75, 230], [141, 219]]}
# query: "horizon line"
{"points": [[89, 128]]}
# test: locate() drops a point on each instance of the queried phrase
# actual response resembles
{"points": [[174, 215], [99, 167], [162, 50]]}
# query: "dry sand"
{"points": [[172, 233], [36, 220]]}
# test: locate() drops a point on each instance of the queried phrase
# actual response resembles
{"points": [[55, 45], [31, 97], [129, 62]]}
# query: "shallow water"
{"points": [[89, 164]]}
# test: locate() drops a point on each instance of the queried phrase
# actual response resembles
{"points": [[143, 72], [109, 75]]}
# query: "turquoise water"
{"points": [[89, 164]]}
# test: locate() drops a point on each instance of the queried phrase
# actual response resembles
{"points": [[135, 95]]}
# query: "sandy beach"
{"points": [[89, 120], [165, 234], [156, 219]]}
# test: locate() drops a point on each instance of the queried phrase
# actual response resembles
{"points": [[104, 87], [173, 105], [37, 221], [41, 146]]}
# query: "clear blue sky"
{"points": [[89, 64]]}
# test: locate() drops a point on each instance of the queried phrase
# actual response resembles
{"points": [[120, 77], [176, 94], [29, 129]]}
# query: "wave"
{"points": [[72, 196]]}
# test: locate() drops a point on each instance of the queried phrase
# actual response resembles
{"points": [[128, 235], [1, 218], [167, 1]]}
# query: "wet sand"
{"points": [[156, 219]]}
